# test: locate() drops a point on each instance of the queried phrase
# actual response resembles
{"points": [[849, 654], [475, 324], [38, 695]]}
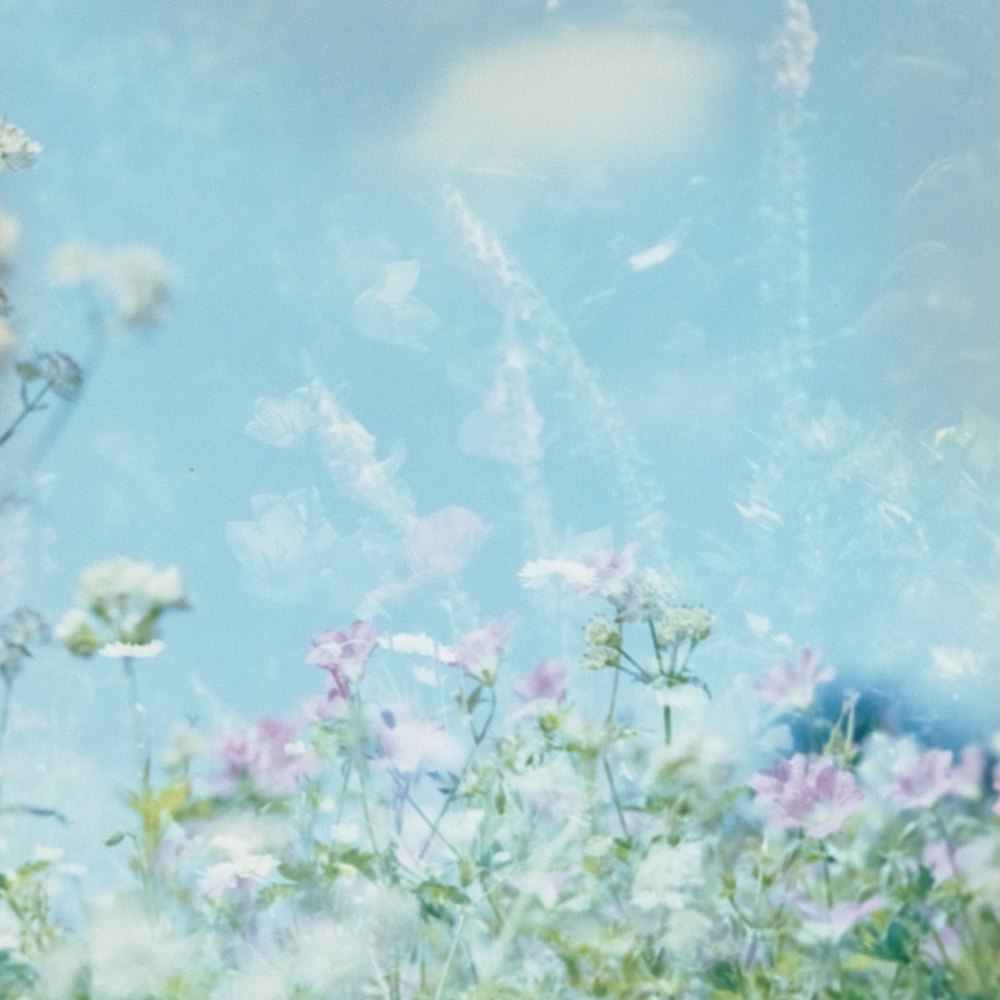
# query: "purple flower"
{"points": [[546, 681], [789, 685], [478, 652], [922, 779], [814, 795], [343, 655], [269, 756]]}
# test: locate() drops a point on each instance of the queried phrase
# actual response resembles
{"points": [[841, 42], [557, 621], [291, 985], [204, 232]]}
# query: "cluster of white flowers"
{"points": [[120, 603], [17, 149], [113, 579], [137, 278]]}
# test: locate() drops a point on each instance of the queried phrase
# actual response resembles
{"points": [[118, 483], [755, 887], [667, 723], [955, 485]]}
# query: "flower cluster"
{"points": [[119, 606]]}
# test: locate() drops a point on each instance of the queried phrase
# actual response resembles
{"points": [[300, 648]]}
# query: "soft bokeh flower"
{"points": [[269, 757], [920, 779], [343, 655], [791, 685], [120, 604], [668, 875], [814, 795], [479, 652], [241, 872], [17, 149], [546, 682]]}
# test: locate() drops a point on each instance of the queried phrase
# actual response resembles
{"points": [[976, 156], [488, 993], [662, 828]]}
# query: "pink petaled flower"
{"points": [[789, 685], [938, 857], [478, 652], [343, 655], [547, 681], [812, 794], [922, 779], [268, 756]]}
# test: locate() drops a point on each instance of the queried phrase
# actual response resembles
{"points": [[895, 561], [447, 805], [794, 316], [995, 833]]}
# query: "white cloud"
{"points": [[587, 97]]}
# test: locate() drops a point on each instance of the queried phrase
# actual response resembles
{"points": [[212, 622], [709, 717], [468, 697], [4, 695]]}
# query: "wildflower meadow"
{"points": [[632, 805]]}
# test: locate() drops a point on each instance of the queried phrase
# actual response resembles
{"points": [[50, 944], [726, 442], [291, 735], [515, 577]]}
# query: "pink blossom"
{"points": [[444, 541], [938, 857], [268, 756], [343, 655], [812, 794], [546, 681], [478, 652], [922, 779], [789, 685]]}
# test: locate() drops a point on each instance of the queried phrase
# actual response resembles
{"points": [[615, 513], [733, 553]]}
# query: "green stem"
{"points": [[614, 696], [140, 742], [614, 798], [667, 726], [27, 406]]}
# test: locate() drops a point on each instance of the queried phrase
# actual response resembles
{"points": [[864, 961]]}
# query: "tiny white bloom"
{"points": [[132, 650]]}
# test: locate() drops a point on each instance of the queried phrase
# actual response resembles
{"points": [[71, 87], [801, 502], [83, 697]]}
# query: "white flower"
{"points": [[132, 650], [576, 576], [667, 874], [17, 149]]}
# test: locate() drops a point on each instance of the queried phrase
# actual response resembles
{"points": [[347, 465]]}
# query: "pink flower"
{"points": [[268, 756], [546, 681], [343, 655], [478, 652], [812, 794], [938, 857], [787, 685], [922, 779]]}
